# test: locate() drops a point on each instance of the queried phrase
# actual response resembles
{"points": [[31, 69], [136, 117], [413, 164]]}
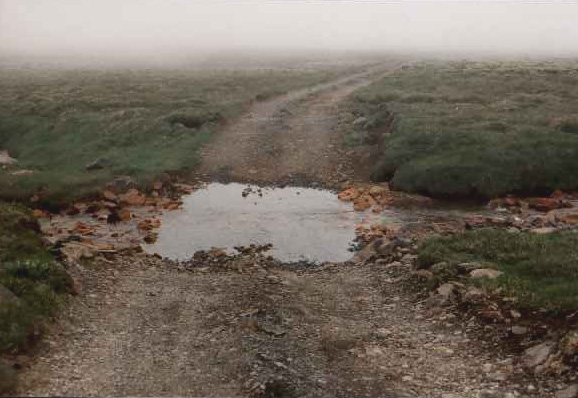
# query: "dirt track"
{"points": [[142, 327], [291, 139]]}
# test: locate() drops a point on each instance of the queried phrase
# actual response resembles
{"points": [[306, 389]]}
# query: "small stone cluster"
{"points": [[365, 198], [121, 217], [548, 354]]}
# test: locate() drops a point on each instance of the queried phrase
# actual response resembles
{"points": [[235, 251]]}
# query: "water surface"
{"points": [[301, 223]]}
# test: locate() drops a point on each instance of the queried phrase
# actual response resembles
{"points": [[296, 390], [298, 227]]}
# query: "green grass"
{"points": [[138, 123], [474, 129], [29, 271], [20, 235], [540, 270]]}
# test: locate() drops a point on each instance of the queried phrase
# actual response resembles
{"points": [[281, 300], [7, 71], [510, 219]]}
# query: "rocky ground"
{"points": [[249, 325]]}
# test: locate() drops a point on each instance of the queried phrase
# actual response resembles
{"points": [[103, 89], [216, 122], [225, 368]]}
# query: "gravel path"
{"points": [[144, 328]]}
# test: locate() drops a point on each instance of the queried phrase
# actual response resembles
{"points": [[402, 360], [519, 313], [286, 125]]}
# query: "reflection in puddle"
{"points": [[302, 224]]}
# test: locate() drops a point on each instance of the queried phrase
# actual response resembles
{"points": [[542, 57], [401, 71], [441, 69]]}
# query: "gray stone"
{"points": [[360, 122], [485, 273], [569, 344], [5, 159], [382, 261], [568, 392], [537, 354], [468, 267], [543, 231], [386, 248], [474, 295], [122, 184], [364, 254], [445, 296], [498, 376], [446, 290], [408, 259], [383, 333], [98, 164], [444, 270], [424, 273], [519, 330]]}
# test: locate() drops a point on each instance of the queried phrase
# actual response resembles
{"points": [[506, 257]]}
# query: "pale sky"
{"points": [[156, 27]]}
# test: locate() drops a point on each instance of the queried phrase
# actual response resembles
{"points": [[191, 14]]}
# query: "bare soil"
{"points": [[149, 327]]}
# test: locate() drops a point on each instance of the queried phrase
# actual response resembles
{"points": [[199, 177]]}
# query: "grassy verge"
{"points": [[472, 129], [32, 284], [540, 270], [135, 123]]}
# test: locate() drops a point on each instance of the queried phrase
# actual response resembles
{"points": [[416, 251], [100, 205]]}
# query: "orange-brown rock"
{"points": [[124, 214], [184, 188], [74, 209], [545, 204], [348, 195], [172, 205], [377, 191], [94, 207], [153, 200], [41, 214], [82, 229], [149, 224], [105, 248], [151, 237], [557, 194], [109, 196], [363, 203], [133, 198], [377, 209]]}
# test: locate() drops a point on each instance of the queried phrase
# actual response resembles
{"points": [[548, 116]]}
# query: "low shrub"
{"points": [[29, 272], [473, 129]]}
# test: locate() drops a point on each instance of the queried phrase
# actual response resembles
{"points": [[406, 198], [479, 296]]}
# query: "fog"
{"points": [[163, 29]]}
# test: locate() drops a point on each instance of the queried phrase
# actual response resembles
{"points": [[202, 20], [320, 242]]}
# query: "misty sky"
{"points": [[51, 27]]}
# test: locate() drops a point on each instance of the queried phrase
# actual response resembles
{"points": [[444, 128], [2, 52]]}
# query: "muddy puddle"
{"points": [[301, 224]]}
